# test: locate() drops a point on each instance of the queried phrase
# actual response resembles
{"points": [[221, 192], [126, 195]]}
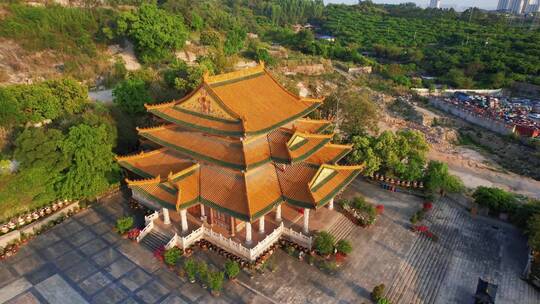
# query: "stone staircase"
{"points": [[423, 269], [341, 228], [155, 239]]}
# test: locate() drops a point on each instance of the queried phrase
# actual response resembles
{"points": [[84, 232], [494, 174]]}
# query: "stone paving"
{"points": [[83, 261]]}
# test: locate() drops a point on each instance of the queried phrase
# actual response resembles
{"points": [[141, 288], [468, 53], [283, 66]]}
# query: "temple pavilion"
{"points": [[237, 155]]}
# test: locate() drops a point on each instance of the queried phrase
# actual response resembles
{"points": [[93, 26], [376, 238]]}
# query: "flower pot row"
{"points": [[407, 184], [30, 217]]}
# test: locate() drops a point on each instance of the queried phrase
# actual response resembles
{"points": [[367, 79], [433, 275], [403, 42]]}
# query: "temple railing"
{"points": [[235, 247], [145, 231], [226, 243], [151, 217], [266, 243], [298, 237], [173, 242]]}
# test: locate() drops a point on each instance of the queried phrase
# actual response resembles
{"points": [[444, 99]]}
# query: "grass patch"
{"points": [[468, 140]]}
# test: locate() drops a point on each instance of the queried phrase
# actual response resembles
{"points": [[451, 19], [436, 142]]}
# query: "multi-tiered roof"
{"points": [[238, 144]]}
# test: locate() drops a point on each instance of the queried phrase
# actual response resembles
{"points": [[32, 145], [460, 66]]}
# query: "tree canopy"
{"points": [[155, 32], [401, 154], [131, 94]]}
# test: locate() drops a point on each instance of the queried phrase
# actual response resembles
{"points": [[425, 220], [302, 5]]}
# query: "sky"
{"points": [[458, 4]]}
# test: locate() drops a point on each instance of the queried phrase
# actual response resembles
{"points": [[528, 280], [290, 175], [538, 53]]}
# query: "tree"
{"points": [[210, 38], [363, 152], [324, 243], [234, 41], [71, 93], [10, 110], [131, 95], [197, 22], [91, 161], [155, 32], [534, 232], [360, 114], [438, 179], [41, 147], [182, 77], [496, 199]]}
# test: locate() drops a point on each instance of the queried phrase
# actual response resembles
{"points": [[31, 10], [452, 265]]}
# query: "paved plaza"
{"points": [[84, 261]]}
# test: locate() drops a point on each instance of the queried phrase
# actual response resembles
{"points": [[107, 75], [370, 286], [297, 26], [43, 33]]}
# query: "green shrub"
{"points": [[384, 301], [202, 272], [497, 200], [123, 224], [378, 292], [324, 243], [172, 256], [190, 267], [215, 280], [344, 246], [232, 269]]}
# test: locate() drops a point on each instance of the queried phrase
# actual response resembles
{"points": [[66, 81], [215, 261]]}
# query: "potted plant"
{"points": [[191, 269], [344, 247], [232, 269], [324, 243], [171, 256], [123, 225], [216, 282], [202, 273], [377, 292]]}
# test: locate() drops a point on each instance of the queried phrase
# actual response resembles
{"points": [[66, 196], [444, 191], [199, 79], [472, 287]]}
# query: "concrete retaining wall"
{"points": [[487, 123]]}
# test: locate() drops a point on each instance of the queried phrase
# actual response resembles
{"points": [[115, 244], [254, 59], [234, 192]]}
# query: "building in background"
{"points": [[435, 4], [503, 5], [517, 6], [533, 6]]}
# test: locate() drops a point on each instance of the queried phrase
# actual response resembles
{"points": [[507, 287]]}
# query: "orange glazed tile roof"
{"points": [[198, 122], [329, 154], [246, 151], [162, 193], [310, 125], [158, 162], [303, 145], [242, 103]]}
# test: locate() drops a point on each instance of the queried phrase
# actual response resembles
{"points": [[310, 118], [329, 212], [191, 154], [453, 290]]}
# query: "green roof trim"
{"points": [[189, 203], [196, 127], [135, 170], [310, 152], [299, 144], [338, 188], [193, 153], [168, 189], [324, 181], [181, 177], [229, 81], [232, 213], [152, 198], [340, 156], [205, 116], [286, 121]]}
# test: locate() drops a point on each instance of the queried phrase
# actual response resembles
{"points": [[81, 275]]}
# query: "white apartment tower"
{"points": [[435, 4], [517, 6], [503, 5]]}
